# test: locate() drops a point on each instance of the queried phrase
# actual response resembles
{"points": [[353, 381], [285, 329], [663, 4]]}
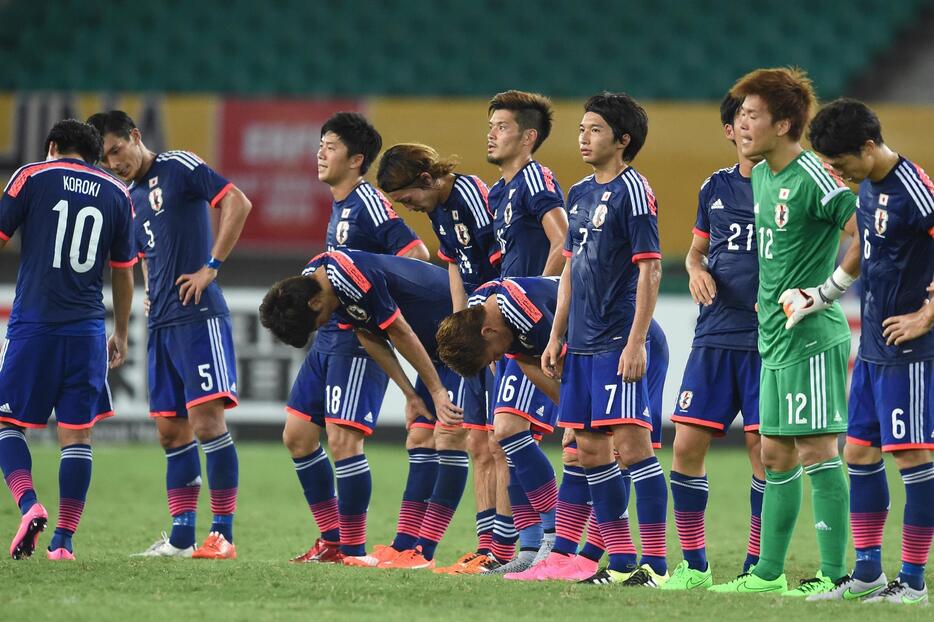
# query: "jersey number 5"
{"points": [[74, 254]]}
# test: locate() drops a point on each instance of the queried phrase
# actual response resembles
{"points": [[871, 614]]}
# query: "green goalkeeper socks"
{"points": [[780, 507], [830, 498]]}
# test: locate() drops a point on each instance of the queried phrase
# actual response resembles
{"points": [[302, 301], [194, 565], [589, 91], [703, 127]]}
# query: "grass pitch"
{"points": [[126, 511]]}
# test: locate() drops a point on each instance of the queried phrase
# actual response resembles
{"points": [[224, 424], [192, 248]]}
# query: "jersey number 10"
{"points": [[74, 254]]}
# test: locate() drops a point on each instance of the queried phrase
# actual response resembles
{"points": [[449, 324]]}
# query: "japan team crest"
{"points": [[155, 199], [684, 401], [599, 216], [881, 220], [357, 313], [781, 215], [463, 236], [507, 213], [343, 229]]}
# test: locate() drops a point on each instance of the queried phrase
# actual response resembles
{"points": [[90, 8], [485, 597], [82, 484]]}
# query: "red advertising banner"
{"points": [[269, 149]]}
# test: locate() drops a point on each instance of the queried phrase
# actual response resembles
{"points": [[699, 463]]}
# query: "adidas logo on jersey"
{"points": [[822, 526], [368, 418], [718, 204], [540, 411], [574, 209], [5, 408]]}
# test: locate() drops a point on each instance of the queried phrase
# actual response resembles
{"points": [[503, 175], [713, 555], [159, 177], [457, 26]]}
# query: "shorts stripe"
{"points": [[221, 354], [351, 404], [460, 393], [353, 380], [916, 397], [6, 343], [818, 389], [216, 354]]}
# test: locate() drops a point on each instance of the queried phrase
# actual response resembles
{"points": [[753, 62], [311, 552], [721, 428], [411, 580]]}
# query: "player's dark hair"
{"points": [[73, 136], [114, 122], [532, 112], [787, 91], [460, 344], [843, 126], [285, 311], [402, 165], [729, 108], [625, 116], [357, 134]]}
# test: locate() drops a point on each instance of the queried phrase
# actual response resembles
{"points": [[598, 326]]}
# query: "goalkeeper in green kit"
{"points": [[801, 207]]}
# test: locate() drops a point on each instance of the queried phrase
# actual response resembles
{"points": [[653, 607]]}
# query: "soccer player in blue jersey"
{"points": [[387, 300], [339, 388], [72, 217], [192, 366], [722, 372], [891, 391], [456, 204], [513, 317], [530, 224], [606, 298]]}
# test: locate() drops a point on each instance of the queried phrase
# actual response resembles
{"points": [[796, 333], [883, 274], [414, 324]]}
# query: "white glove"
{"points": [[799, 303]]}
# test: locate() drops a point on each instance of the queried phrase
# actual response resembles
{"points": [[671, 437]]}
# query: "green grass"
{"points": [[126, 511]]}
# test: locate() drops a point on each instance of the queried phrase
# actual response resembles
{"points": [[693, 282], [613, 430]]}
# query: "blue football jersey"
{"points": [[725, 216], [72, 216], [374, 290], [363, 221], [464, 226], [611, 228], [528, 306], [173, 233], [518, 209], [896, 221]]}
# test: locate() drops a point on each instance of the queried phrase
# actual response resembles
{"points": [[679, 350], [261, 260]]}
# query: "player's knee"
{"points": [[478, 446], [569, 457], [909, 458], [450, 439], [508, 425], [858, 454], [344, 442], [420, 438], [68, 436], [634, 445], [299, 442], [688, 451], [815, 450]]}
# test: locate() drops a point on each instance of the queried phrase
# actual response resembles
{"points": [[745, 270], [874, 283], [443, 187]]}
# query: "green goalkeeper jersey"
{"points": [[799, 214]]}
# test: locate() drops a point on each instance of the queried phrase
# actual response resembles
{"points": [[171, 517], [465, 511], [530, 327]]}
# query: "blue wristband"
{"points": [[214, 262]]}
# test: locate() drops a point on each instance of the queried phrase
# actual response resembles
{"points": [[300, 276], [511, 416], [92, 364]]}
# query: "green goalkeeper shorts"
{"points": [[806, 398]]}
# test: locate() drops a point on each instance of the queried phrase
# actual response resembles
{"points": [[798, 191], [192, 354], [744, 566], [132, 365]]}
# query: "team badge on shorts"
{"points": [[357, 313], [343, 228], [781, 215], [599, 216], [463, 236], [881, 220], [684, 400]]}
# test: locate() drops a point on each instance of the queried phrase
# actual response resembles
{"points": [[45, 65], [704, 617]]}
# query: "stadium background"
{"points": [[247, 86], [248, 91]]}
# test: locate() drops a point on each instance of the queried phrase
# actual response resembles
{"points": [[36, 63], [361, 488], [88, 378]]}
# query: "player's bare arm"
{"points": [[234, 207], [403, 338], [632, 361], [800, 303], [555, 224], [458, 293], [122, 292], [899, 329], [531, 366], [378, 348], [703, 287], [552, 354]]}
